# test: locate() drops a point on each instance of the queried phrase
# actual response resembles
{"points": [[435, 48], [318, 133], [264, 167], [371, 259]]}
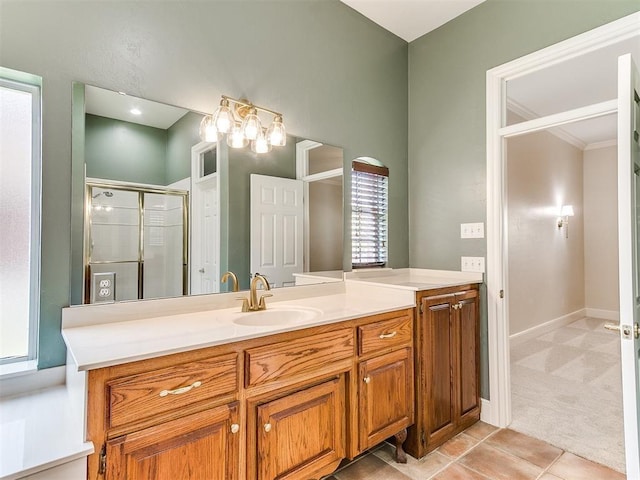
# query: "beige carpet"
{"points": [[566, 390]]}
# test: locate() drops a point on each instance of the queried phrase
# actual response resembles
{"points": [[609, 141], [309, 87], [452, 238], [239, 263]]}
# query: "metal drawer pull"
{"points": [[267, 427], [235, 428], [388, 335], [367, 379], [180, 390]]}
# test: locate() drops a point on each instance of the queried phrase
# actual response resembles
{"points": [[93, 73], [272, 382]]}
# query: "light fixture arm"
{"points": [[251, 105]]}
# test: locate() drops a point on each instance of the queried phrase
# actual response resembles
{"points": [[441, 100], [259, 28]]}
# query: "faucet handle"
{"points": [[261, 304], [245, 304]]}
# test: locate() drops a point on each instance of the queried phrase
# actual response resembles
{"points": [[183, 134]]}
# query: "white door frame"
{"points": [[498, 410], [198, 176], [302, 173]]}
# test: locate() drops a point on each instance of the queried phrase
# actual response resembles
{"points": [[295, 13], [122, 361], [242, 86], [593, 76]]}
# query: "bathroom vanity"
{"points": [[447, 352], [178, 388]]}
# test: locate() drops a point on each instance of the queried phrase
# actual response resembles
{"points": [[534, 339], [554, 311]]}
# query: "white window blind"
{"points": [[369, 204]]}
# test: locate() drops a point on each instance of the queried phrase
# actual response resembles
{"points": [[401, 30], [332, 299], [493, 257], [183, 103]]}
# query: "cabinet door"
{"points": [[438, 364], [386, 396], [302, 435], [202, 446], [468, 358]]}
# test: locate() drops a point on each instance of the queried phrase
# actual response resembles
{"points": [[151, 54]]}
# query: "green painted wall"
{"points": [[180, 137], [279, 162], [335, 75], [124, 151], [447, 97]]}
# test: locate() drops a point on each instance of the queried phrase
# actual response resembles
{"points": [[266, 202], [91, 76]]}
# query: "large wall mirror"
{"points": [[165, 214]]}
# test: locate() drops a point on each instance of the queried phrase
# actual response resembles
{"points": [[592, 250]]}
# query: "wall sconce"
{"points": [[563, 220], [242, 125]]}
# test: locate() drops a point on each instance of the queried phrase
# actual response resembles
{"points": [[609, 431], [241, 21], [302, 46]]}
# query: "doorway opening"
{"points": [[501, 82], [563, 287]]}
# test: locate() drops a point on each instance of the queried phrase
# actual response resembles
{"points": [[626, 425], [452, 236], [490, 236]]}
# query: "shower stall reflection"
{"points": [[139, 234]]}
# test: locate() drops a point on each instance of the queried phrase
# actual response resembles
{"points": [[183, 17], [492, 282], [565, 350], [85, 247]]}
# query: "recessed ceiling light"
{"points": [[135, 111]]}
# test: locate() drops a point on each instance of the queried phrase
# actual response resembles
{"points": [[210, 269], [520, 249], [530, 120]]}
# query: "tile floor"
{"points": [[481, 452]]}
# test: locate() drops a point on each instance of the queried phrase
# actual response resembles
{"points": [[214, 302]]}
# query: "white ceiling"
{"points": [[410, 19], [585, 80], [106, 103]]}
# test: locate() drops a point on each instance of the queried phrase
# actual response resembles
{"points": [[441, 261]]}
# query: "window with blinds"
{"points": [[369, 205]]}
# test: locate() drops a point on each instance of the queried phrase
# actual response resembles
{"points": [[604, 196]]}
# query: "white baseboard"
{"points": [[485, 411], [603, 314], [533, 332]]}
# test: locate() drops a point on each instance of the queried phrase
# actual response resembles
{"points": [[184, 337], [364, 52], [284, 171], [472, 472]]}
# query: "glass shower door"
{"points": [[164, 245], [140, 236], [114, 239]]}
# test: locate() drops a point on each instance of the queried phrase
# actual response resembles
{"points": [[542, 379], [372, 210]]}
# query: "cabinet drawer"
{"points": [[286, 359], [387, 333], [138, 397]]}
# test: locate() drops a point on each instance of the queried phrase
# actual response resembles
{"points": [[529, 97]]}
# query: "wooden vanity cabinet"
{"points": [[289, 406], [447, 363], [386, 396], [297, 404], [385, 379], [203, 445], [175, 416], [302, 434]]}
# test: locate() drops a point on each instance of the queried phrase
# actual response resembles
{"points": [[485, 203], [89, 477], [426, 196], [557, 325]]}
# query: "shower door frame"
{"points": [[90, 184]]}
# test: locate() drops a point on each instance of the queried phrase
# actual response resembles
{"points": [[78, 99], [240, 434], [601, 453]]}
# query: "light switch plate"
{"points": [[472, 230], [103, 287], [472, 264]]}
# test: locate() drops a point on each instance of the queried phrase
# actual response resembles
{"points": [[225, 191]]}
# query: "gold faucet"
{"points": [[233, 277], [252, 304]]}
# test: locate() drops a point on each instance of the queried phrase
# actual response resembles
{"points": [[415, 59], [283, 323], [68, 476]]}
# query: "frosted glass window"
{"points": [[20, 219]]}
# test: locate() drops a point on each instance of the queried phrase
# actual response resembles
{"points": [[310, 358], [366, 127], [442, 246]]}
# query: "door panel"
{"points": [[469, 355], [628, 167], [386, 396], [438, 330], [196, 447], [302, 435], [277, 214]]}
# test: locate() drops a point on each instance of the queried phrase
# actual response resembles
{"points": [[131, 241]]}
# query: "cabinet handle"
{"points": [[367, 379], [235, 428], [267, 427], [388, 335], [181, 390], [456, 306]]}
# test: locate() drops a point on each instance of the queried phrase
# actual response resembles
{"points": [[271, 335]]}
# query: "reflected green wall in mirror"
{"points": [[126, 150]]}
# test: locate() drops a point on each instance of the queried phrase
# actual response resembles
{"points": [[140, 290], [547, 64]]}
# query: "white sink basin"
{"points": [[276, 316]]}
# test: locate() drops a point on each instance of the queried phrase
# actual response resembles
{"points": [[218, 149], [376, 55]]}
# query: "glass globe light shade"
{"points": [[261, 144], [223, 117], [276, 133], [208, 131], [235, 138], [251, 125]]}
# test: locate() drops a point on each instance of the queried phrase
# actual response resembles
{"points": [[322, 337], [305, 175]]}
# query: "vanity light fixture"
{"points": [[566, 211], [242, 124], [235, 138], [261, 143]]}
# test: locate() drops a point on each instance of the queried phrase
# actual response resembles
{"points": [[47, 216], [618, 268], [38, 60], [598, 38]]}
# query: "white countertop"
{"points": [[414, 279], [106, 335], [327, 275], [106, 344], [40, 430]]}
